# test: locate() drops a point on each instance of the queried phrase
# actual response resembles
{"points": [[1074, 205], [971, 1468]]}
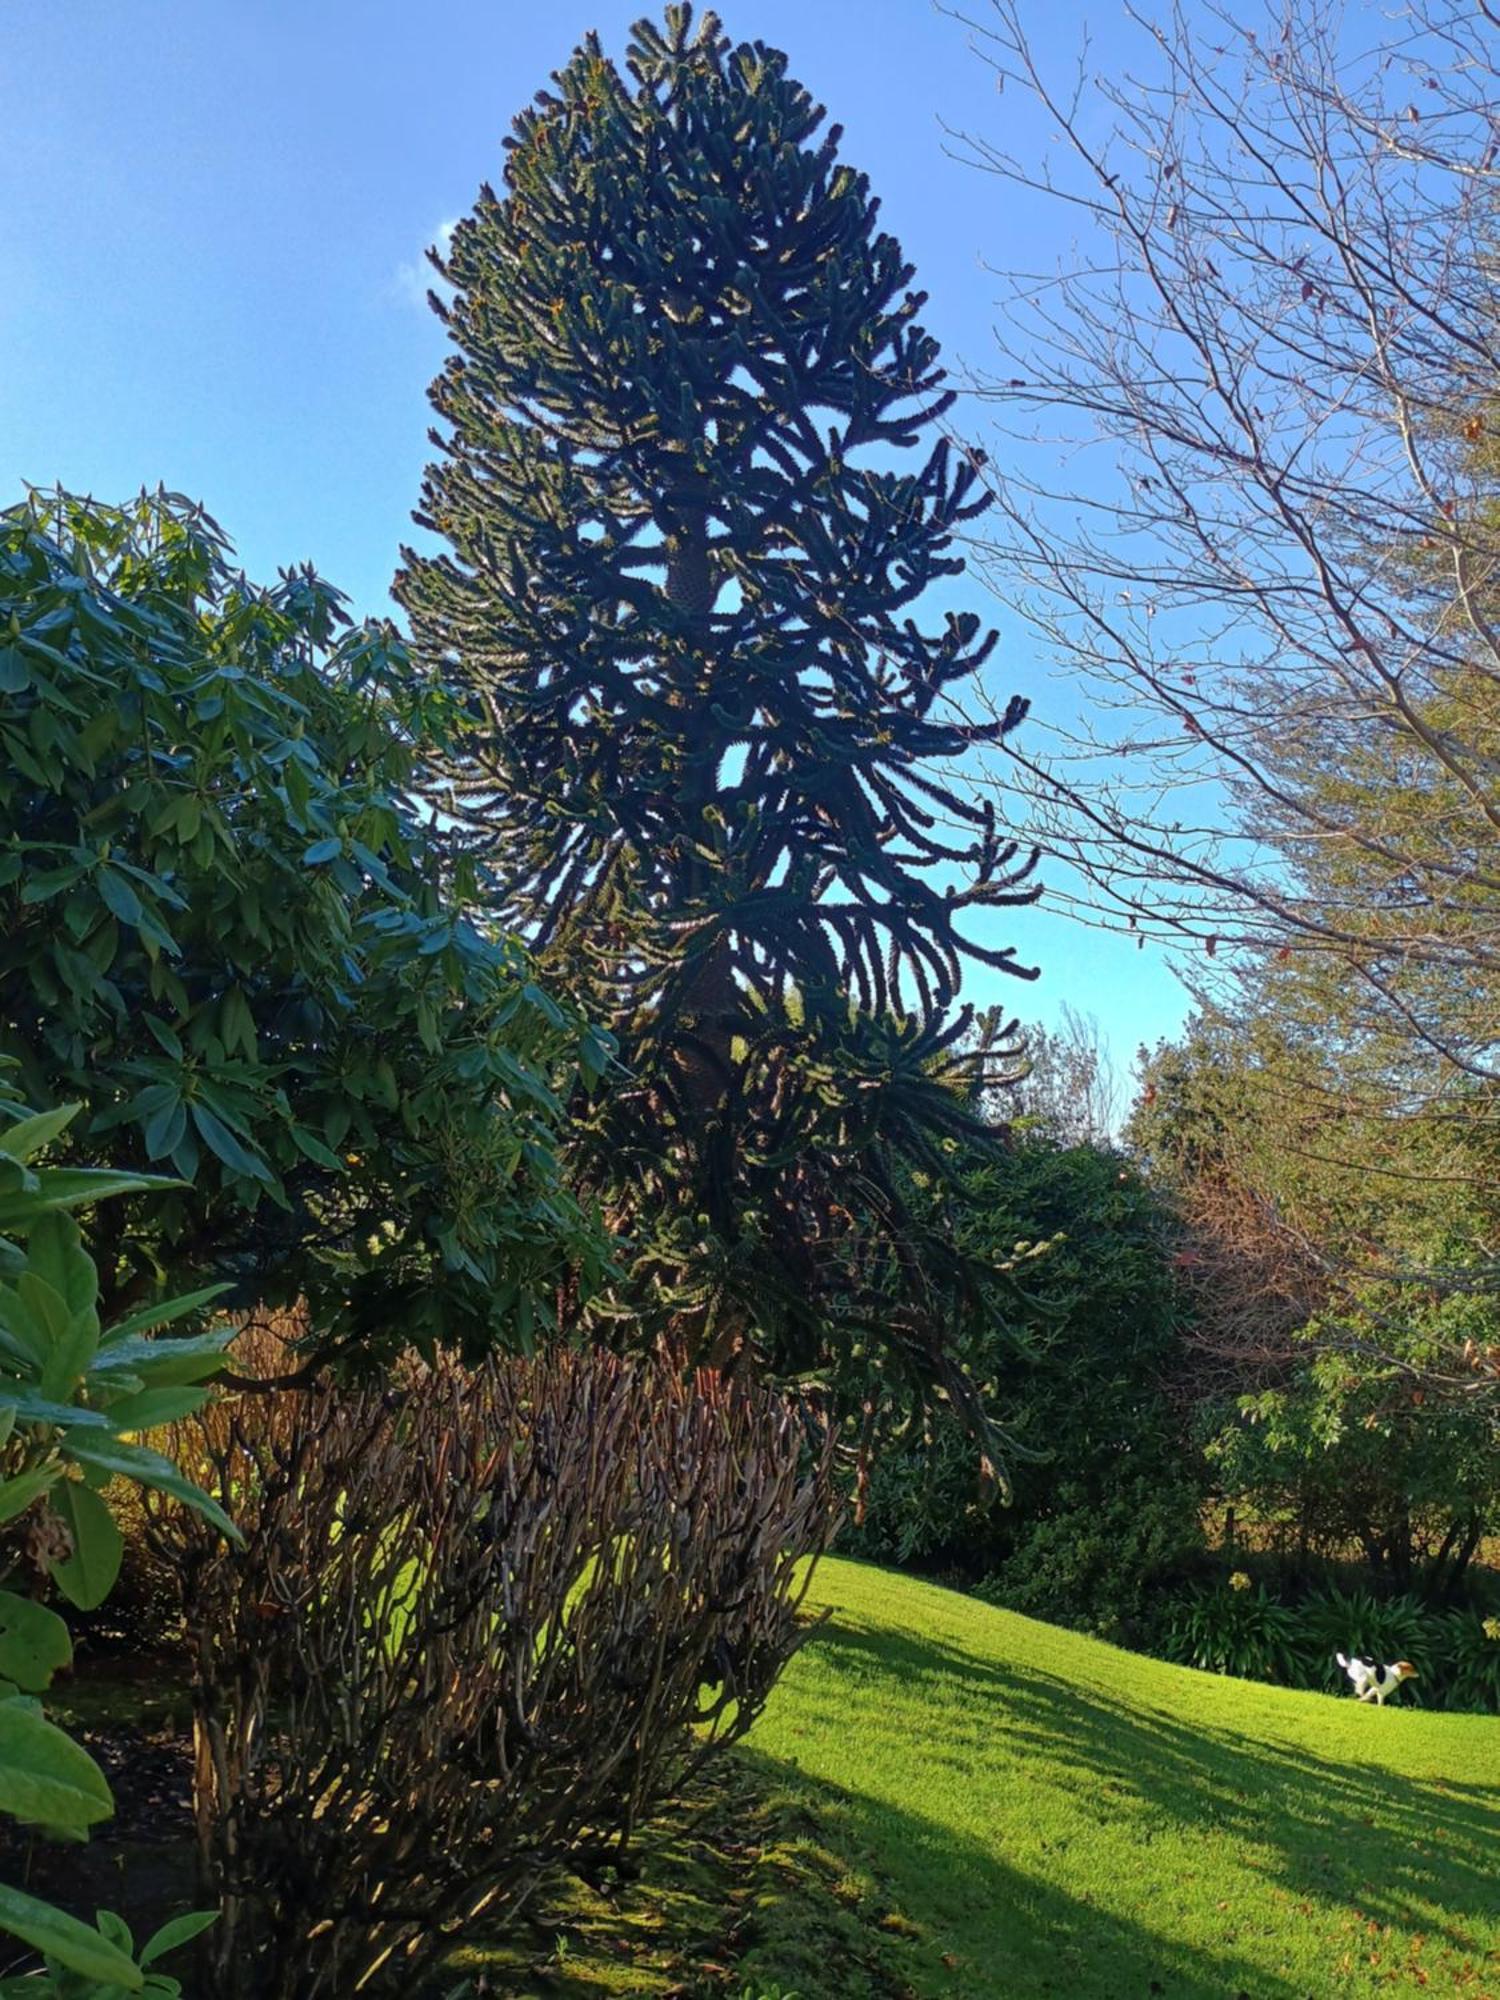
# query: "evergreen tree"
{"points": [[689, 512]]}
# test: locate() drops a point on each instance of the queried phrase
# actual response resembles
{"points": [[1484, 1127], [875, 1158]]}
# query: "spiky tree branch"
{"points": [[689, 514]]}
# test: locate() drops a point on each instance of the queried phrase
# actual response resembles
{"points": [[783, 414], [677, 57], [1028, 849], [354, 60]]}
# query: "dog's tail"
{"points": [[1342, 1661]]}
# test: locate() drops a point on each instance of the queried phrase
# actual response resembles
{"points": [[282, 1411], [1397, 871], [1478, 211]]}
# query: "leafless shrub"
{"points": [[482, 1621]]}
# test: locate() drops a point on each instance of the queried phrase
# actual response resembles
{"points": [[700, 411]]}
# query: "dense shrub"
{"points": [[480, 1623], [1471, 1657], [1335, 1307], [1106, 1495], [1101, 1562], [1238, 1627], [1234, 1628], [227, 932], [1332, 1620]]}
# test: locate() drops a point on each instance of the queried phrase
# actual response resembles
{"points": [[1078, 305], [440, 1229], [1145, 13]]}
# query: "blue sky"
{"points": [[212, 217]]}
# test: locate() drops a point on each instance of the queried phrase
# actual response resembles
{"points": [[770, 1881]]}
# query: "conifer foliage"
{"points": [[690, 499]]}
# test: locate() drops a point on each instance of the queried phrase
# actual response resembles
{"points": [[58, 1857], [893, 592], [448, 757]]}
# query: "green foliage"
{"points": [[1353, 1456], [83, 1963], [1335, 1620], [70, 1388], [1340, 1296], [689, 514], [1106, 1495], [227, 931], [1100, 1563], [1240, 1628], [1234, 1630], [1471, 1653]]}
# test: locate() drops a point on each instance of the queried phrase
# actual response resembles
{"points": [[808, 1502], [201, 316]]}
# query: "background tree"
{"points": [[1070, 1093], [1108, 1484], [229, 935], [689, 515], [1327, 1312], [1278, 586]]}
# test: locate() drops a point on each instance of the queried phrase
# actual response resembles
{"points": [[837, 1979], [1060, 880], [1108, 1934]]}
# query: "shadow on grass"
{"points": [[986, 1929], [1419, 1854]]}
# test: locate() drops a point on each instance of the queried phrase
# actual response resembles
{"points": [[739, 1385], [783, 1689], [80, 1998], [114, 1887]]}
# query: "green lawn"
{"points": [[1016, 1810], [948, 1800]]}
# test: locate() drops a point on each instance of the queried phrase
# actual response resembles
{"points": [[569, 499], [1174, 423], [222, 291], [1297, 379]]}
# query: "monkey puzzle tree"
{"points": [[689, 511]]}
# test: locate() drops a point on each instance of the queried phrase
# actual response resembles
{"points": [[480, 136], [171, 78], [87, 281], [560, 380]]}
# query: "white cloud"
{"points": [[413, 280]]}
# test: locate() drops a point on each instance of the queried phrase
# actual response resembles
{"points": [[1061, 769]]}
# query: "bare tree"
{"points": [[1272, 366], [1269, 364], [1070, 1094]]}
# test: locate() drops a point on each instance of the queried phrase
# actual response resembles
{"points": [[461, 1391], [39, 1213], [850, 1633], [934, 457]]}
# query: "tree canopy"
{"points": [[691, 501]]}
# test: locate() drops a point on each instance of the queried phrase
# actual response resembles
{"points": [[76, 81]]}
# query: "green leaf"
{"points": [[74, 1187], [237, 1023], [46, 1779], [46, 1307], [24, 1338], [77, 1946], [33, 1408], [322, 850], [314, 1149], [149, 1468], [387, 1091], [19, 1493], [178, 1932], [160, 1312], [115, 1929], [28, 1136], [54, 1250], [164, 1363], [151, 1408], [119, 897], [221, 1141], [165, 1037], [185, 1155], [87, 1576], [73, 1337], [52, 882], [164, 1129], [34, 1642]]}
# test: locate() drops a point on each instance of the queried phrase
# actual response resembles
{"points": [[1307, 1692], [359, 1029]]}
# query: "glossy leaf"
{"points": [[76, 1945], [148, 1468], [87, 1576], [34, 1642], [46, 1779], [24, 1489], [180, 1931]]}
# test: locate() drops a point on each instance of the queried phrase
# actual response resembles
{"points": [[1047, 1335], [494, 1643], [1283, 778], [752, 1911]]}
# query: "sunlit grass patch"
{"points": [[947, 1799]]}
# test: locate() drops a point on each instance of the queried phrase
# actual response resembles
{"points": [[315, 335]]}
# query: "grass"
{"points": [[945, 1799]]}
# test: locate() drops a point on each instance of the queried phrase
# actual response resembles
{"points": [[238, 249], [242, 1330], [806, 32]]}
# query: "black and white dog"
{"points": [[1373, 1682]]}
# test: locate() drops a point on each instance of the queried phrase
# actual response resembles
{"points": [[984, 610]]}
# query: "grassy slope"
{"points": [[1032, 1812], [948, 1800]]}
